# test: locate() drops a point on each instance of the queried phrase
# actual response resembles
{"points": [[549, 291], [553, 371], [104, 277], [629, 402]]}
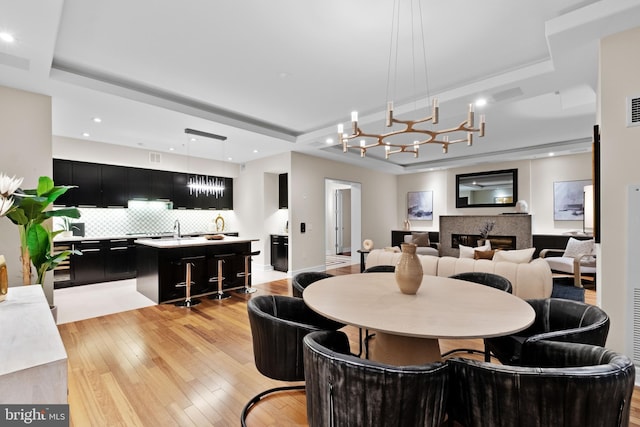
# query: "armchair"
{"points": [[556, 320], [344, 390], [278, 325], [577, 259], [566, 385]]}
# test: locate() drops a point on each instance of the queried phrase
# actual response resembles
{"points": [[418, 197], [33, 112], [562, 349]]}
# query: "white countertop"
{"points": [[34, 360], [191, 241], [139, 236]]}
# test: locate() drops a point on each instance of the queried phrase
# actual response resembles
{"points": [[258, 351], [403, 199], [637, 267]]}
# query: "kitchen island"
{"points": [[161, 266]]}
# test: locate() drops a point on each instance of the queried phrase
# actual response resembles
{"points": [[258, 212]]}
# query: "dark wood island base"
{"points": [[162, 266]]}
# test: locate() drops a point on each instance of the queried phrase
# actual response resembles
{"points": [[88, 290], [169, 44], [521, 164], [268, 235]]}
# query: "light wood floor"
{"points": [[166, 366]]}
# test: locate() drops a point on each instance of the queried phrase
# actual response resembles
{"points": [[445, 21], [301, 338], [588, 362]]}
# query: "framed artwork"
{"points": [[420, 205], [568, 200]]}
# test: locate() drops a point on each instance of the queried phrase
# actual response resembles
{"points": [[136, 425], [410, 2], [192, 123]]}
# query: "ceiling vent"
{"points": [[633, 110], [155, 157]]}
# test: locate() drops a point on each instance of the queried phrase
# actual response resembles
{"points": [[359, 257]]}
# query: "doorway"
{"points": [[342, 221]]}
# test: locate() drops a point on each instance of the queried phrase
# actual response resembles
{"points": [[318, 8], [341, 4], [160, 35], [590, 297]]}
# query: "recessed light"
{"points": [[481, 102], [6, 37], [551, 154], [255, 151], [171, 148], [229, 158], [329, 140], [86, 134], [97, 120], [192, 139]]}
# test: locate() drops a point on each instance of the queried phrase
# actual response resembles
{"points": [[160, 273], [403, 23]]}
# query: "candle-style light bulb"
{"points": [[389, 113], [435, 111], [469, 139], [482, 121], [354, 121], [340, 129]]}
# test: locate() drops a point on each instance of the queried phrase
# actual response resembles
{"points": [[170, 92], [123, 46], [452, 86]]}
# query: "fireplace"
{"points": [[509, 232], [497, 242]]}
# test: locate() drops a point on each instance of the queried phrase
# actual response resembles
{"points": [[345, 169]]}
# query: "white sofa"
{"points": [[529, 280]]}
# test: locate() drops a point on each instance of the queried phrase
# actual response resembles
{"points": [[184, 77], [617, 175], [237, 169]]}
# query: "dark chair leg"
{"points": [[255, 399]]}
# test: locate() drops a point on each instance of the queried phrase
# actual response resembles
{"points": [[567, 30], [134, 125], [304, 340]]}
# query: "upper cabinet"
{"points": [[101, 185], [114, 185], [283, 191]]}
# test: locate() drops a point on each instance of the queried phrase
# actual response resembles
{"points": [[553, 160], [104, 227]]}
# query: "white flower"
{"points": [[5, 205], [8, 186]]}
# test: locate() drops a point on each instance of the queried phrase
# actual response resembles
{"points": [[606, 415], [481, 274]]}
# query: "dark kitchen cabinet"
{"points": [[120, 259], [149, 184], [88, 267], [161, 185], [139, 183], [102, 185], [87, 177], [280, 252], [180, 191], [283, 191], [115, 186], [63, 175]]}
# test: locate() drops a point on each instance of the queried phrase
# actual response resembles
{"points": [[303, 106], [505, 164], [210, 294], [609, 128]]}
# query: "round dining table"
{"points": [[408, 326]]}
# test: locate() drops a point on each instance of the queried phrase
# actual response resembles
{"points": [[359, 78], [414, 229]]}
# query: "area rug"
{"points": [[566, 291], [337, 260]]}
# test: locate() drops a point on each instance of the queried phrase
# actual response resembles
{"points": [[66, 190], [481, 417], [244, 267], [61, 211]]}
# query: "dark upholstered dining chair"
{"points": [[302, 280], [381, 269], [278, 325], [487, 279], [344, 390], [556, 320], [572, 385]]}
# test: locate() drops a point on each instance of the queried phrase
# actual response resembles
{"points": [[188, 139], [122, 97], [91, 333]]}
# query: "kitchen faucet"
{"points": [[176, 229]]}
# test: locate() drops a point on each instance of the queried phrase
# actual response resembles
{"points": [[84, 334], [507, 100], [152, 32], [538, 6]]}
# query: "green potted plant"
{"points": [[29, 211]]}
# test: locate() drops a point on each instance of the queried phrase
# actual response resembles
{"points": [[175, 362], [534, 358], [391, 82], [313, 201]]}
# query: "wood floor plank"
{"points": [[172, 366]]}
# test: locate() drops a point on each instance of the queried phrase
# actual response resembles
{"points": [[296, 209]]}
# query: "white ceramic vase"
{"points": [[409, 270]]}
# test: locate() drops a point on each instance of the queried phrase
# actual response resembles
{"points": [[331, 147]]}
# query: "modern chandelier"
{"points": [[418, 133]]}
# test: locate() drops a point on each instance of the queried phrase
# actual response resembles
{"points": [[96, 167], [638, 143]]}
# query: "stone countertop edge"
{"points": [[190, 242], [60, 239]]}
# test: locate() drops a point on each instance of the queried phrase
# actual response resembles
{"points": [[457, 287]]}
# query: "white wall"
{"points": [[307, 204], [25, 132], [255, 203], [535, 185], [620, 151]]}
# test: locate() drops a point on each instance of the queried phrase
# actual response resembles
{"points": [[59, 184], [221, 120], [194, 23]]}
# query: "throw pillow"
{"points": [[483, 254], [577, 247], [420, 239], [467, 251], [520, 256]]}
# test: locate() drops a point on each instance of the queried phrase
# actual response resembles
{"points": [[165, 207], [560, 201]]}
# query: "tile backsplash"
{"points": [[148, 218]]}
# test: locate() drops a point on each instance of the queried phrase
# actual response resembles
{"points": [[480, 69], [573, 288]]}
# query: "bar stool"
{"points": [[220, 295], [188, 301], [247, 263]]}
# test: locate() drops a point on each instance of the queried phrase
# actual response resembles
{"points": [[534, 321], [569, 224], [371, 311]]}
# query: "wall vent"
{"points": [[155, 157], [633, 110]]}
